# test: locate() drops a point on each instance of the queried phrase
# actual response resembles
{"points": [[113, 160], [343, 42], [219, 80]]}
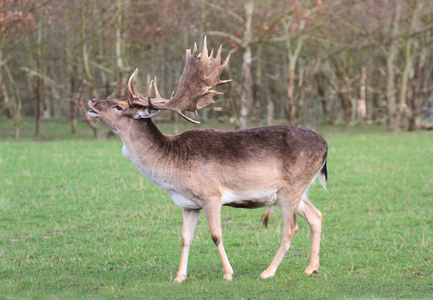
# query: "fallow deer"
{"points": [[207, 169]]}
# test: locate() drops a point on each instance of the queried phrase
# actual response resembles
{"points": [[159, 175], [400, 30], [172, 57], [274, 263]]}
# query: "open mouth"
{"points": [[91, 112]]}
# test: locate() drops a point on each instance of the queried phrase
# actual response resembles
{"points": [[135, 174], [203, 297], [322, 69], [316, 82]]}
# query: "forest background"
{"points": [[77, 220], [310, 62]]}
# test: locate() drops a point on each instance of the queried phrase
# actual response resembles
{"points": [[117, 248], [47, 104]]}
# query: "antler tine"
{"points": [[205, 52], [156, 89], [225, 81], [131, 88], [226, 61], [158, 101], [149, 93], [195, 50], [187, 118], [219, 52], [224, 64], [136, 99], [218, 55]]}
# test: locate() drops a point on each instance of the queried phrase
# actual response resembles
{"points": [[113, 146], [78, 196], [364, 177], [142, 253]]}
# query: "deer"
{"points": [[205, 169]]}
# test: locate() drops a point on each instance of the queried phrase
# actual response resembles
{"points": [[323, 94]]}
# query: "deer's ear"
{"points": [[145, 113]]}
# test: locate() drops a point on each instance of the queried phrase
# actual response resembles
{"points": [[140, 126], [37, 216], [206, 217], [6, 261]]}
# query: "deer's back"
{"points": [[281, 141]]}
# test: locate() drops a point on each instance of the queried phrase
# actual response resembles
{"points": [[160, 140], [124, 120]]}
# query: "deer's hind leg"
{"points": [[288, 204], [314, 218]]}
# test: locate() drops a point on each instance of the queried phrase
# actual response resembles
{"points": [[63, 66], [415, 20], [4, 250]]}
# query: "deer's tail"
{"points": [[323, 173], [266, 216]]}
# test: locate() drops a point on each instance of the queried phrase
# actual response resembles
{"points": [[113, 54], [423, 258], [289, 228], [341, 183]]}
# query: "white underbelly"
{"points": [[184, 202], [250, 199]]}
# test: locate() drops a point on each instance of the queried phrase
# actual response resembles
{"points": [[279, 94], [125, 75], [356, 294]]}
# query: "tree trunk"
{"points": [[119, 57], [345, 95], [319, 78], [415, 100], [293, 59], [246, 66], [362, 100], [37, 84], [246, 85], [402, 106], [37, 87], [73, 115], [301, 103], [290, 96], [259, 104], [85, 53], [390, 86], [270, 112], [6, 102], [4, 94], [95, 128], [17, 123]]}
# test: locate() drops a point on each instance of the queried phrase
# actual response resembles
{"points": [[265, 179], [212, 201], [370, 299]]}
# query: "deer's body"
{"points": [[239, 168], [204, 169]]}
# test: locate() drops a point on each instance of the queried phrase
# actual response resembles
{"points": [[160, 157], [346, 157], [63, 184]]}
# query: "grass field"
{"points": [[77, 220]]}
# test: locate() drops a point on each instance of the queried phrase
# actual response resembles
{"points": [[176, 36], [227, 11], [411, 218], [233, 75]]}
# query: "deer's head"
{"points": [[118, 113], [196, 89]]}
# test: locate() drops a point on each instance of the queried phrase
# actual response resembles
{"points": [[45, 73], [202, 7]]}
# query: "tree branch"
{"points": [[227, 11], [226, 35]]}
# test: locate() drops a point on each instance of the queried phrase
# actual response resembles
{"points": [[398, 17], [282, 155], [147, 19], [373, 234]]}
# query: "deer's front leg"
{"points": [[190, 218], [213, 215]]}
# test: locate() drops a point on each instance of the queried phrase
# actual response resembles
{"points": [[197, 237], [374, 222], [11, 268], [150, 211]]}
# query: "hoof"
{"points": [[179, 279], [266, 275], [228, 277], [311, 270]]}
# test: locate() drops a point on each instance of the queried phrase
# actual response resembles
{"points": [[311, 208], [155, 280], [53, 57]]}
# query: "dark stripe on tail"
{"points": [[324, 171]]}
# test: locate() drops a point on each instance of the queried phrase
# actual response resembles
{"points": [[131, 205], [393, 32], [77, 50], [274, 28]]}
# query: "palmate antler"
{"points": [[197, 85]]}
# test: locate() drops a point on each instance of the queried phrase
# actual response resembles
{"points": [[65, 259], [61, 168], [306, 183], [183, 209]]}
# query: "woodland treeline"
{"points": [[311, 61]]}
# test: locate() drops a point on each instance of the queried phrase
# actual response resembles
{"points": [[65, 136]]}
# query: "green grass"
{"points": [[77, 220]]}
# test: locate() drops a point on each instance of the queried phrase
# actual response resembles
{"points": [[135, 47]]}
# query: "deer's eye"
{"points": [[118, 107]]}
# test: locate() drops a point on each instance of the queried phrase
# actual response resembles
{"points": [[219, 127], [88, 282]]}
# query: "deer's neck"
{"points": [[147, 147], [143, 135]]}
